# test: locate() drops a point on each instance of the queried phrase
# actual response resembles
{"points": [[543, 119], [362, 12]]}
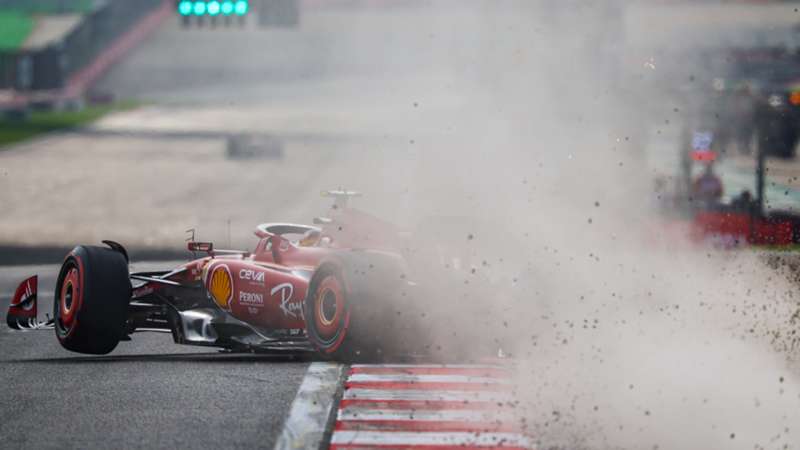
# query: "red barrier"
{"points": [[739, 228]]}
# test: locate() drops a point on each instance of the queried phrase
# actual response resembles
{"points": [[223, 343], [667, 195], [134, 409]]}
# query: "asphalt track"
{"points": [[149, 393]]}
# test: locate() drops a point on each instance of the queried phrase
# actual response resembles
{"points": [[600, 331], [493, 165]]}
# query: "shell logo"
{"points": [[220, 286]]}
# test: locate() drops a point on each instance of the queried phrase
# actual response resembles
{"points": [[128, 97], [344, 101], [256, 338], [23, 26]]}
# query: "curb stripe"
{"points": [[423, 415], [407, 386], [422, 447], [433, 407], [410, 425], [416, 378], [312, 408], [405, 370], [419, 404], [403, 438], [421, 394]]}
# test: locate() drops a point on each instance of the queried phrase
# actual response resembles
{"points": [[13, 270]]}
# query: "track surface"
{"points": [[148, 393]]}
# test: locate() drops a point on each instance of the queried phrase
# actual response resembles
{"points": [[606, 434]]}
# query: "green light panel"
{"points": [[213, 7]]}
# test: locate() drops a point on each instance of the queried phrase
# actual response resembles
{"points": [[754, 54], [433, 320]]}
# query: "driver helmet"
{"points": [[310, 238]]}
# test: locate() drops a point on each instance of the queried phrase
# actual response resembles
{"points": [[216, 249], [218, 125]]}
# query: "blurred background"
{"points": [[144, 119]]}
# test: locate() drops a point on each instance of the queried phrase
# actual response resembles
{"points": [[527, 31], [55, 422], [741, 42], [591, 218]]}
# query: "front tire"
{"points": [[91, 300]]}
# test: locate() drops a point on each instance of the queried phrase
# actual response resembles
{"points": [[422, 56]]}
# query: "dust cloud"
{"points": [[623, 333]]}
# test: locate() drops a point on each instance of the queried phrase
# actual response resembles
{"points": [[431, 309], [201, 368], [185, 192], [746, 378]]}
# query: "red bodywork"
{"points": [[348, 289], [267, 287], [231, 299]]}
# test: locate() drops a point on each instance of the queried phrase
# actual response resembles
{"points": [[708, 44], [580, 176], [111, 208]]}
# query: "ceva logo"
{"points": [[251, 275]]}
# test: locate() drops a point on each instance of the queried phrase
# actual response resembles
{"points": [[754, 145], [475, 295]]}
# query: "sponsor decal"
{"points": [[251, 275], [291, 332], [251, 298], [220, 286], [289, 308]]}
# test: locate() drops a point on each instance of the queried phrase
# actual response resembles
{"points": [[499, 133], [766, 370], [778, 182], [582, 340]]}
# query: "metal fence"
{"points": [[50, 67]]}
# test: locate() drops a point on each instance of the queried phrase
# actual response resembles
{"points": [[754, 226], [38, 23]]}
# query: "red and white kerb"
{"points": [[427, 407]]}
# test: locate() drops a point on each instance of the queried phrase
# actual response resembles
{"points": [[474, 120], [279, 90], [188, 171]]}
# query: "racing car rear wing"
{"points": [[340, 200], [340, 197], [208, 247]]}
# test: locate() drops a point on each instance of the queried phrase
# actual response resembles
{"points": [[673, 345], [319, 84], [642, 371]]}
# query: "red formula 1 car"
{"points": [[331, 288]]}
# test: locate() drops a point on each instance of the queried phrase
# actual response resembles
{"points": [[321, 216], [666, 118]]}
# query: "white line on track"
{"points": [[406, 439], [311, 409], [423, 416]]}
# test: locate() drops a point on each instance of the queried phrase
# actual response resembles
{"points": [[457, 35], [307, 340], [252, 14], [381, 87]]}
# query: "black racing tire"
{"points": [[352, 305], [92, 294]]}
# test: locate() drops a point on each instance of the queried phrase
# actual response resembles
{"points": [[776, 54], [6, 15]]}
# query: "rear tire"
{"points": [[91, 300], [350, 306]]}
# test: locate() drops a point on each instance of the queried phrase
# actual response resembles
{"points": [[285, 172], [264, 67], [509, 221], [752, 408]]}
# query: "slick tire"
{"points": [[350, 306], [91, 300]]}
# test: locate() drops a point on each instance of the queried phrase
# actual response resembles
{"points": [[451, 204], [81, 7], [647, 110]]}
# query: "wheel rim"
{"points": [[329, 308], [69, 299]]}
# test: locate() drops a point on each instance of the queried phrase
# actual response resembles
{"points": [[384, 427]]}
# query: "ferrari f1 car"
{"points": [[340, 287]]}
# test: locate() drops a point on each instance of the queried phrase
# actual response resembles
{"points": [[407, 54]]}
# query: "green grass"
{"points": [[12, 131], [14, 29], [16, 19]]}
